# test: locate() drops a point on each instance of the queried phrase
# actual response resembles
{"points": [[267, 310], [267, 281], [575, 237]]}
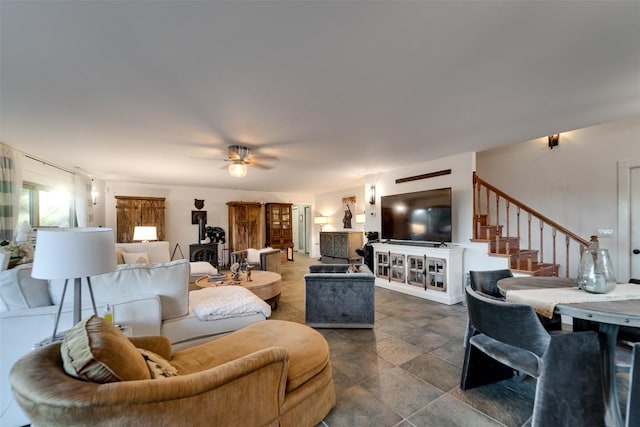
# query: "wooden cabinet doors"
{"points": [[244, 225], [279, 227], [136, 210]]}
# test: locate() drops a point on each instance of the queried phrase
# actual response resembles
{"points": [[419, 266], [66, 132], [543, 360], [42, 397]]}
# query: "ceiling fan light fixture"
{"points": [[237, 169]]}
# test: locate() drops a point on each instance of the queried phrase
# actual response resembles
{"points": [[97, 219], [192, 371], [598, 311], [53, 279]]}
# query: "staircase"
{"points": [[533, 243]]}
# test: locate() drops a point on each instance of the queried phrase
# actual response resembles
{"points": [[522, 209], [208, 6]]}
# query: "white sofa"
{"points": [[149, 299]]}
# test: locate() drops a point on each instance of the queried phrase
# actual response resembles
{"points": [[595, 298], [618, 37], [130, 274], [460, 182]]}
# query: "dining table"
{"points": [[621, 307]]}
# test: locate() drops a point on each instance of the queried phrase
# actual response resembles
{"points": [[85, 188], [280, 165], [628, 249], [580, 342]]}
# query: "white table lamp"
{"points": [[321, 220], [73, 253], [145, 233]]}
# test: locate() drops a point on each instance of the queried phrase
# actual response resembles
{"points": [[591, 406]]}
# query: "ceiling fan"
{"points": [[239, 158]]}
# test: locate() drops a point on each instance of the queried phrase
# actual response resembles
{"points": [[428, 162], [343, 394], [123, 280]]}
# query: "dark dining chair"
{"points": [[633, 399], [486, 282], [505, 339]]}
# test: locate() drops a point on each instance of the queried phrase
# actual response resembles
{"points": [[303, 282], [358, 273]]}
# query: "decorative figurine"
{"points": [[235, 271]]}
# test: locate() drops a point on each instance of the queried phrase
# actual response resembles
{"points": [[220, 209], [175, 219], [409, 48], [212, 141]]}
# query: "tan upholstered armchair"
{"points": [[275, 373]]}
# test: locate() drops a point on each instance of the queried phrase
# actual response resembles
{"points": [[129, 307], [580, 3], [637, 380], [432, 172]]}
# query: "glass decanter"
{"points": [[595, 273]]}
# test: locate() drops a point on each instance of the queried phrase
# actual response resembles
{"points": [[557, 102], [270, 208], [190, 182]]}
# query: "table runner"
{"points": [[544, 301]]}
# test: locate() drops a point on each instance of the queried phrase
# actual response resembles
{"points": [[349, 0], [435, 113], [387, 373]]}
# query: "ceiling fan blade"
{"points": [[260, 165], [264, 157]]}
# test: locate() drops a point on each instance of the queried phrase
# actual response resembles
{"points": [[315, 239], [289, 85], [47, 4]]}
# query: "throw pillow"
{"points": [[158, 366], [119, 257], [353, 268], [18, 290], [253, 256], [135, 257], [202, 267], [95, 350]]}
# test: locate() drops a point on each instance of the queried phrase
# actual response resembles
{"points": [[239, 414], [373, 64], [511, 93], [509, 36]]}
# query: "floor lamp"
{"points": [[321, 220], [73, 253]]}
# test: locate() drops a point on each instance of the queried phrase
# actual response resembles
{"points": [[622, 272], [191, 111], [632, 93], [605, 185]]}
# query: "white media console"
{"points": [[422, 271]]}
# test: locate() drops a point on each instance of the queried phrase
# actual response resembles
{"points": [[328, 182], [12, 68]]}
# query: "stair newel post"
{"points": [[508, 233], [529, 255], [518, 233], [476, 210], [497, 209], [487, 204], [541, 259], [553, 239], [567, 242]]}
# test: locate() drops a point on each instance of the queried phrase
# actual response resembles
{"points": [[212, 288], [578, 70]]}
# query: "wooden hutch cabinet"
{"points": [[244, 225], [136, 210], [279, 225]]}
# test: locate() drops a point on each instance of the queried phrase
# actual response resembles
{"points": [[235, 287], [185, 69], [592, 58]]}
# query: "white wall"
{"points": [[574, 184], [330, 204], [180, 202]]}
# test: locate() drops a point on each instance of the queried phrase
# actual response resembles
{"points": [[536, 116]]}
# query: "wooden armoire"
{"points": [[138, 210], [244, 225]]}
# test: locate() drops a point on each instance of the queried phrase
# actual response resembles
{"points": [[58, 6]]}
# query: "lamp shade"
{"points": [[145, 233], [321, 220], [360, 218], [69, 253]]}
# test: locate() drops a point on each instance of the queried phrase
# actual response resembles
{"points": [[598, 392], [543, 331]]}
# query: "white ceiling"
{"points": [[152, 91]]}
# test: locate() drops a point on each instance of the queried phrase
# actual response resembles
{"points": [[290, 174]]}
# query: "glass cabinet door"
{"points": [[416, 271], [382, 264], [436, 274], [397, 267]]}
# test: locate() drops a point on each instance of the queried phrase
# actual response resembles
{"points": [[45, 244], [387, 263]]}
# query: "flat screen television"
{"points": [[423, 216]]}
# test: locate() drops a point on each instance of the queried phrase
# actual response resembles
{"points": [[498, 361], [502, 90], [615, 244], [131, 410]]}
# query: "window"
{"points": [[42, 206]]}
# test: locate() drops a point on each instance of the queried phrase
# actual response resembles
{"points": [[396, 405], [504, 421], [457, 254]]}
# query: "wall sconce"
{"points": [[94, 193], [360, 218], [554, 140], [372, 195], [321, 220]]}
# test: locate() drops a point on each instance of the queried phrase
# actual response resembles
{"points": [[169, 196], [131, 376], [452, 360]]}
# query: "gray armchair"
{"points": [[486, 282], [633, 409], [505, 337], [336, 298]]}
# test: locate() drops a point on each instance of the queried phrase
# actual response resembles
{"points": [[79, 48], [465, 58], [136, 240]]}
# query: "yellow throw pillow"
{"points": [[159, 367], [119, 257], [97, 351], [135, 257]]}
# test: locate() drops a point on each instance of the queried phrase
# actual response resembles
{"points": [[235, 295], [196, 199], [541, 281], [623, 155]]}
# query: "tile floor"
{"points": [[406, 370]]}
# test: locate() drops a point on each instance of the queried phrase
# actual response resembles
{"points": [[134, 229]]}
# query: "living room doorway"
{"points": [[301, 228]]}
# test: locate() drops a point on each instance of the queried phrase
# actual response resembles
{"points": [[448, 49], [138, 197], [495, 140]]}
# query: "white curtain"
{"points": [[8, 189], [82, 197]]}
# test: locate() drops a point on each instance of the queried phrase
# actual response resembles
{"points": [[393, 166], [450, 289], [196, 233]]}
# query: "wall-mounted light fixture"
{"points": [[554, 140], [360, 218], [372, 195], [321, 220], [94, 193]]}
